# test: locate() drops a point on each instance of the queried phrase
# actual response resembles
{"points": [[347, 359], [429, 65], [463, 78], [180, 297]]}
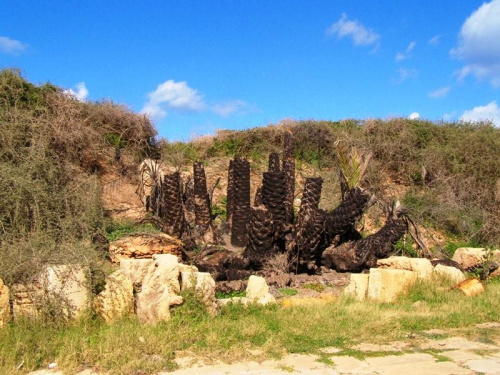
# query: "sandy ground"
{"points": [[427, 354]]}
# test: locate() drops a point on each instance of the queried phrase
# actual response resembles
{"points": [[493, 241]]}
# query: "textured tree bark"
{"points": [[289, 171], [172, 212], [201, 200], [240, 211], [260, 237], [355, 256], [230, 193], [274, 163], [273, 198]]}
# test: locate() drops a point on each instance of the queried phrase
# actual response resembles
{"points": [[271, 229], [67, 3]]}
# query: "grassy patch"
{"points": [[288, 291], [129, 346]]}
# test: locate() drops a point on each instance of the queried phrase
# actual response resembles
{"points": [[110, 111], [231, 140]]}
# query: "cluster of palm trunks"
{"points": [[267, 227]]}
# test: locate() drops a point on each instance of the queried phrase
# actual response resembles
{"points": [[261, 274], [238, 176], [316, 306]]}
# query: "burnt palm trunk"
{"points": [[202, 210], [356, 255], [240, 201], [274, 163], [273, 198], [230, 192], [172, 212], [317, 229], [289, 171], [260, 236]]}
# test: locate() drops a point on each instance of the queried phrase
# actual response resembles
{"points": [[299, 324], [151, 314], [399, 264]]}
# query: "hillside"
{"points": [[69, 168]]}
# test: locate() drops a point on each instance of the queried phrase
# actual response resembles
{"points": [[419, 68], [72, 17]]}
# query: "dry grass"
{"points": [[127, 347]]}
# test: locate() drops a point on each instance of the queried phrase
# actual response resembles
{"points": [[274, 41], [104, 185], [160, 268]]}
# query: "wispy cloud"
{"points": [[414, 116], [11, 46], [405, 74], [400, 56], [435, 40], [80, 94], [176, 96], [355, 30], [233, 107], [488, 112], [479, 44], [439, 93]]}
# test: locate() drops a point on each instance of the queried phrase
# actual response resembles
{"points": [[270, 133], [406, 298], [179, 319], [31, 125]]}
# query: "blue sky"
{"points": [[198, 66]]}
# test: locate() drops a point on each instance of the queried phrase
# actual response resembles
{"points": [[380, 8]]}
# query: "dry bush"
{"points": [[51, 145]]}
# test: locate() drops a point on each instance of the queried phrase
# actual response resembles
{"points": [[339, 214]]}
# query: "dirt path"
{"points": [[432, 353]]}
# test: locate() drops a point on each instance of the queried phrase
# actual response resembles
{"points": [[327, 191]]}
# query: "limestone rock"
{"points": [[421, 266], [141, 246], [470, 257], [4, 304], [358, 286], [385, 285], [471, 287], [452, 273], [66, 286], [136, 269], [159, 290], [204, 284], [258, 291], [117, 298]]}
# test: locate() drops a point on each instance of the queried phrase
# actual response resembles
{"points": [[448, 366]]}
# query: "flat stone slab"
{"points": [[415, 364], [395, 346], [455, 343], [460, 356], [485, 365]]}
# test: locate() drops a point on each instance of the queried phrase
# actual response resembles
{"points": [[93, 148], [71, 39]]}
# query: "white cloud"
{"points": [[360, 35], [80, 94], [489, 112], [435, 40], [178, 96], [479, 44], [171, 95], [400, 56], [439, 93], [11, 46], [405, 74], [232, 107], [414, 116]]}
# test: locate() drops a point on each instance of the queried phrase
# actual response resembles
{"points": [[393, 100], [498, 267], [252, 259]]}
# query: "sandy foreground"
{"points": [[425, 355]]}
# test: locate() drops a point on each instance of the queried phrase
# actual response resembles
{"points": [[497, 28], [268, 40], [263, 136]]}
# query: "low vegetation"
{"points": [[53, 149], [128, 347]]}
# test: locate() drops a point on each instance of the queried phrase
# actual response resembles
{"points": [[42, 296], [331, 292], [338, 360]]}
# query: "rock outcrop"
{"points": [[117, 298], [4, 304], [144, 246], [421, 266], [159, 289], [385, 285], [64, 288]]}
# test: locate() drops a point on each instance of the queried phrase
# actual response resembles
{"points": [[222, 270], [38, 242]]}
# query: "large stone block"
{"points": [[64, 287], [358, 286], [117, 298], [159, 289], [469, 257], [4, 304], [204, 284], [452, 273], [385, 285], [258, 291], [421, 266], [136, 269]]}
